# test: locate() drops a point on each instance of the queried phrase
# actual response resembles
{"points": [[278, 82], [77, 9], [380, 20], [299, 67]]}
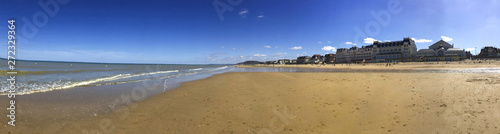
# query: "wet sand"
{"points": [[277, 102]]}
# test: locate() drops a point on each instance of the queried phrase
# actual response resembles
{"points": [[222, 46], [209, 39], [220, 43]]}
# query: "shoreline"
{"points": [[468, 64], [243, 102]]}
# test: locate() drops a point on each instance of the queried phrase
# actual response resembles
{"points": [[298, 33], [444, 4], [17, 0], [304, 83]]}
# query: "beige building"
{"points": [[403, 50], [329, 58], [354, 54], [441, 51], [303, 59]]}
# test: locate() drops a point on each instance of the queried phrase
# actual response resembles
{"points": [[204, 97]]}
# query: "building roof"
{"points": [[455, 49], [393, 43], [426, 50], [441, 44]]}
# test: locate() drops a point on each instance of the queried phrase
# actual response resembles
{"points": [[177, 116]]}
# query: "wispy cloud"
{"points": [[281, 54], [329, 42], [243, 13], [421, 40], [319, 42], [267, 46], [259, 55], [491, 23], [260, 16], [296, 48], [446, 38], [370, 40], [350, 43], [329, 48], [215, 56]]}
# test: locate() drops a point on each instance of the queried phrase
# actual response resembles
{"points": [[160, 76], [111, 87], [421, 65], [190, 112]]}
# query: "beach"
{"points": [[440, 65], [296, 102]]}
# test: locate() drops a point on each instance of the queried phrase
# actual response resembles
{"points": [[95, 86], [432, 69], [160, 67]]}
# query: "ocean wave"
{"points": [[4, 72], [33, 87], [219, 68], [196, 69], [36, 86]]}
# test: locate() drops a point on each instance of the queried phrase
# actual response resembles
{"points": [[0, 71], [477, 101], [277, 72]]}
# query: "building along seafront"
{"points": [[329, 58], [315, 59], [393, 51], [303, 59], [441, 51], [489, 52]]}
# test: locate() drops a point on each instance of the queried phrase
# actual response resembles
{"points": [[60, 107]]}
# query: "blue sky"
{"points": [[193, 32]]}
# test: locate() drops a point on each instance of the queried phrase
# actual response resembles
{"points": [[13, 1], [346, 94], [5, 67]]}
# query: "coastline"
{"points": [[467, 64], [310, 102]]}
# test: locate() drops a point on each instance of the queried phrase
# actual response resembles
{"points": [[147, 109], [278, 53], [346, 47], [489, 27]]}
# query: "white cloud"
{"points": [[348, 43], [234, 48], [387, 40], [276, 47], [421, 40], [446, 38], [320, 42], [260, 16], [369, 40], [267, 46], [329, 48], [223, 47], [259, 55], [215, 56], [243, 13], [470, 49], [329, 42], [296, 48], [281, 54]]}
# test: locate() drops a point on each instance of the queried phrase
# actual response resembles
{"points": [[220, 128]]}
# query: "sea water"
{"points": [[43, 76]]}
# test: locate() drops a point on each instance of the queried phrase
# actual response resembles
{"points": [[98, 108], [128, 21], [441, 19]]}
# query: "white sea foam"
{"points": [[196, 69], [36, 87], [29, 88]]}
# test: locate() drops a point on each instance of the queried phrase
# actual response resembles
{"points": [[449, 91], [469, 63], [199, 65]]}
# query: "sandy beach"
{"points": [[493, 63], [280, 102]]}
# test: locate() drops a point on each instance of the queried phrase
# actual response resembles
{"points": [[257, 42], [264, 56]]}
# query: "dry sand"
{"points": [[367, 102]]}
